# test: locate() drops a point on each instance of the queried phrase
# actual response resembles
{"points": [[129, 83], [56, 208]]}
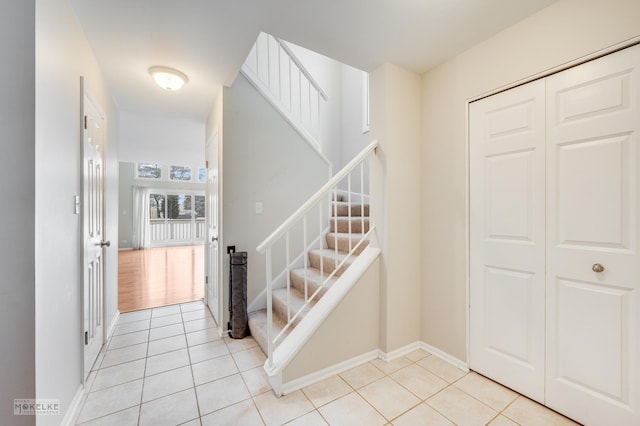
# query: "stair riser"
{"points": [[257, 325], [343, 210], [343, 244], [329, 264], [343, 226], [259, 335]]}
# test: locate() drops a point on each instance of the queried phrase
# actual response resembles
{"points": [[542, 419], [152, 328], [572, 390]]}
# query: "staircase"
{"points": [[348, 226]]}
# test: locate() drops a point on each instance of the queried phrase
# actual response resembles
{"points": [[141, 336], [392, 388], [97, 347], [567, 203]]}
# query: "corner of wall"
{"points": [[395, 104]]}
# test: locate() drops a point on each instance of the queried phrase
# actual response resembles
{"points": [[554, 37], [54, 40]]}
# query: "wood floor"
{"points": [[159, 276]]}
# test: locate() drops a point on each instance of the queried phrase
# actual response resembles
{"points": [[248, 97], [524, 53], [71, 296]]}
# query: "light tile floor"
{"points": [[168, 366]]}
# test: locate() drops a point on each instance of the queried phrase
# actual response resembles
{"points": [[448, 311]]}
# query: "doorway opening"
{"points": [[162, 232]]}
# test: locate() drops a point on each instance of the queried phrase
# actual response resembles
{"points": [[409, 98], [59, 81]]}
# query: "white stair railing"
{"points": [[273, 68], [310, 221]]}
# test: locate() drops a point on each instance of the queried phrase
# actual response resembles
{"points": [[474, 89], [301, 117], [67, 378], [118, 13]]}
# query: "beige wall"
{"points": [[350, 331], [561, 33], [395, 123]]}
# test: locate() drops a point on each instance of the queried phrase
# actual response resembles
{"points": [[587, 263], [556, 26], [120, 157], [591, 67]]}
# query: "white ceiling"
{"points": [[209, 39]]}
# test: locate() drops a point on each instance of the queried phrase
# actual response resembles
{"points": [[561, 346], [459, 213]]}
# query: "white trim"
{"points": [[314, 199], [338, 368], [269, 97], [445, 357], [366, 115], [467, 240], [418, 344], [554, 70], [280, 388], [390, 356], [299, 64], [112, 326], [71, 416], [287, 350]]}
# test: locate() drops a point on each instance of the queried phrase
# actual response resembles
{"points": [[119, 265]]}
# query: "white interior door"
{"points": [[593, 322], [507, 224], [93, 231], [213, 222]]}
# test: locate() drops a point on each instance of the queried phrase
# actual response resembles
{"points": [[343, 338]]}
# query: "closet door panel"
{"points": [[507, 238], [593, 265]]}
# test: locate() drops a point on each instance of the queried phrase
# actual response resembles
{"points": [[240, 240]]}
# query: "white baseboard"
{"points": [[112, 325], [462, 365], [340, 367], [71, 416], [390, 356], [317, 376]]}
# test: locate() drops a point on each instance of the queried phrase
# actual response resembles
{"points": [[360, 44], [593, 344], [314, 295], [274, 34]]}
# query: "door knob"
{"points": [[105, 244], [597, 267], [214, 239]]}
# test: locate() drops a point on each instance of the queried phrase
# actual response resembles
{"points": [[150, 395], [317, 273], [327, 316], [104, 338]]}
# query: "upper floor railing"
{"points": [[275, 70], [303, 232], [165, 232]]}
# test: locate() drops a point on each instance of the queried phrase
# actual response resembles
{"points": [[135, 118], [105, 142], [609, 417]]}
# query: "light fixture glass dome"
{"points": [[168, 78]]}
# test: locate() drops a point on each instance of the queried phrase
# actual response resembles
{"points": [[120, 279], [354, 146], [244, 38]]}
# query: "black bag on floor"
{"points": [[238, 325]]}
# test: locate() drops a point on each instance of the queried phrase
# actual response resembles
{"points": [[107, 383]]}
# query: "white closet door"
{"points": [[508, 238], [593, 184]]}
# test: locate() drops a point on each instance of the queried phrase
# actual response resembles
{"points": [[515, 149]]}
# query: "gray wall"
{"points": [[266, 161], [160, 139], [342, 136], [62, 56], [17, 183]]}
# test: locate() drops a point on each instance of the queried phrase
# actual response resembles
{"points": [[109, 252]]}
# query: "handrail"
{"points": [[311, 202], [274, 70], [302, 68]]}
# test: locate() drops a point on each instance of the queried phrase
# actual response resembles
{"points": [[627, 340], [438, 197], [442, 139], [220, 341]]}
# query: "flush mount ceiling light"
{"points": [[168, 78]]}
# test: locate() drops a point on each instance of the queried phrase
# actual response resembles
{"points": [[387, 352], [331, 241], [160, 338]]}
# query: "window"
{"points": [[176, 218], [149, 171], [199, 206], [365, 102], [157, 206], [174, 173], [180, 173]]}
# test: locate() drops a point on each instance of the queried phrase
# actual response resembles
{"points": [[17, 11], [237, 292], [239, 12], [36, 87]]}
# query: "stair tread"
{"points": [[296, 298], [314, 281], [312, 274]]}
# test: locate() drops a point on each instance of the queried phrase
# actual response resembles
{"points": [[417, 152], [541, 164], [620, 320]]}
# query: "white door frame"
{"points": [[80, 208], [218, 280], [551, 71]]}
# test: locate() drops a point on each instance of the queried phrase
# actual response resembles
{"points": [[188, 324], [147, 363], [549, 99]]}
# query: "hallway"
{"points": [[160, 276], [169, 366]]}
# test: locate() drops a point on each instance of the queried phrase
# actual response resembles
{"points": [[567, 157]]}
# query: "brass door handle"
{"points": [[597, 267]]}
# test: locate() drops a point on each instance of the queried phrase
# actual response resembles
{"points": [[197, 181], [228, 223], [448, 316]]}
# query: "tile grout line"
{"points": [[144, 370], [193, 380]]}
